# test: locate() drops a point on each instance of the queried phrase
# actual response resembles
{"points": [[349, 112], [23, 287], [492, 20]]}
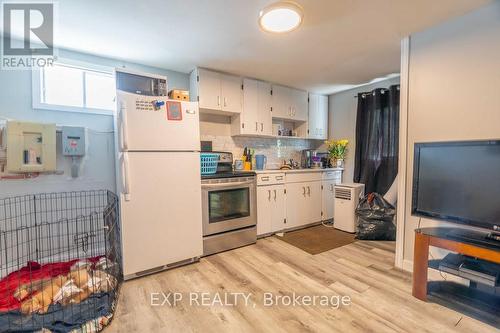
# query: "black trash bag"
{"points": [[375, 218]]}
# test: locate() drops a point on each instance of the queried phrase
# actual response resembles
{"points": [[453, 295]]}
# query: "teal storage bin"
{"points": [[208, 163]]}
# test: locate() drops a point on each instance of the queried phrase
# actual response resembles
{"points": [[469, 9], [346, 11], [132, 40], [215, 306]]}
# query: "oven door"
{"points": [[228, 205]]}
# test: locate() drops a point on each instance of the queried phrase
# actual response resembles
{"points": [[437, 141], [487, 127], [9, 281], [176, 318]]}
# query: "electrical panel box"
{"points": [[31, 147], [73, 141]]}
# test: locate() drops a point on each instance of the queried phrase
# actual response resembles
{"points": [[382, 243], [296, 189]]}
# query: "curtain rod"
{"points": [[382, 90]]}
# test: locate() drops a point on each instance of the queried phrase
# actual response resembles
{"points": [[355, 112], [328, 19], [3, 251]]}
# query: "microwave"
{"points": [[141, 85]]}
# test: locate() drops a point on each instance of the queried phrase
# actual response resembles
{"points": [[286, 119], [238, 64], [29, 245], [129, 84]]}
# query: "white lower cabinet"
{"points": [[291, 200], [296, 212], [328, 199], [330, 179], [270, 209], [303, 203]]}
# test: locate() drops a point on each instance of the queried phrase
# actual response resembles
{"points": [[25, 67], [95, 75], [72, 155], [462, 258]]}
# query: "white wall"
{"points": [[342, 119], [454, 90], [98, 170]]}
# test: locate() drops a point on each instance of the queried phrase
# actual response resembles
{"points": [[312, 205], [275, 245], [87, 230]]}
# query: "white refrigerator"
{"points": [[159, 183]]}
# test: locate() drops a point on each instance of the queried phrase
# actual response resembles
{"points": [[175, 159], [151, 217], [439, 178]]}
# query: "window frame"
{"points": [[37, 86]]}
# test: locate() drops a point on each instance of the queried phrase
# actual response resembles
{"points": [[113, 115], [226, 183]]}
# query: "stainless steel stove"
{"points": [[229, 207]]}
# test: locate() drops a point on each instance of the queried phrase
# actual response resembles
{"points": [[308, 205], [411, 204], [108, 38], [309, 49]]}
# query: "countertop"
{"points": [[297, 170]]}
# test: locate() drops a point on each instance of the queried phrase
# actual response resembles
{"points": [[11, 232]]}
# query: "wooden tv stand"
{"points": [[440, 237]]}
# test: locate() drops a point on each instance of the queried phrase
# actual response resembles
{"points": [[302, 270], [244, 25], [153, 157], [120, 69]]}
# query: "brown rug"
{"points": [[317, 239]]}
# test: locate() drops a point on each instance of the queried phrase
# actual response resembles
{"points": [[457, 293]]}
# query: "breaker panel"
{"points": [[31, 147]]}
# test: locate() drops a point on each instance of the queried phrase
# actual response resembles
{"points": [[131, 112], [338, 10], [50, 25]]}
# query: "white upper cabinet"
{"points": [[209, 90], [216, 92], [255, 118], [289, 103], [299, 105], [281, 102], [231, 93], [264, 107], [318, 117], [250, 116]]}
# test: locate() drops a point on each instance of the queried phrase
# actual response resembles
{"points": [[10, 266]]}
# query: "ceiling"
{"points": [[340, 43]]}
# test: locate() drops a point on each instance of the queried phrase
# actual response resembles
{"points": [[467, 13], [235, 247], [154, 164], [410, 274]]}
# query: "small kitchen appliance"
{"points": [[306, 160], [314, 159]]}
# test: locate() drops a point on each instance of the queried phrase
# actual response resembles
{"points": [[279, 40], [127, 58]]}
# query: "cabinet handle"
{"points": [[269, 195], [289, 110], [308, 191], [304, 189], [262, 127], [274, 195], [279, 177], [225, 102], [218, 100], [265, 178], [256, 126], [331, 187]]}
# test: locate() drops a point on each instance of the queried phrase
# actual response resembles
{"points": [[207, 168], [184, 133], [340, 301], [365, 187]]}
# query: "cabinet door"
{"points": [[296, 204], [209, 89], [299, 105], [322, 117], [313, 116], [281, 102], [328, 199], [264, 204], [250, 107], [313, 202], [231, 93], [264, 106], [278, 216]]}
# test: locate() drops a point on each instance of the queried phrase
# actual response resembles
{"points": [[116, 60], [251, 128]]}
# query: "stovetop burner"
{"points": [[229, 174]]}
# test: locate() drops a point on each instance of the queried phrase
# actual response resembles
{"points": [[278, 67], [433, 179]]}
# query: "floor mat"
{"points": [[317, 239]]}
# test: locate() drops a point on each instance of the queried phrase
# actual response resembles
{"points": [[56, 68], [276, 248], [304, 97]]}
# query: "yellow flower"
{"points": [[344, 142]]}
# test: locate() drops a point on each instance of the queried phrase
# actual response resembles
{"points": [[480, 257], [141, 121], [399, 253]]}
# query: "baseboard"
{"points": [[408, 265]]}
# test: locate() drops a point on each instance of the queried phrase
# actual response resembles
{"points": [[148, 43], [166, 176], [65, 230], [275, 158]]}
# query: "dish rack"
{"points": [[208, 163]]}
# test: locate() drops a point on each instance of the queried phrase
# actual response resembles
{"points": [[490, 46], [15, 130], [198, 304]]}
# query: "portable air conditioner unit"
{"points": [[347, 197]]}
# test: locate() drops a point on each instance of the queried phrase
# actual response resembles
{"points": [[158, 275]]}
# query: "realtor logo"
{"points": [[28, 34]]}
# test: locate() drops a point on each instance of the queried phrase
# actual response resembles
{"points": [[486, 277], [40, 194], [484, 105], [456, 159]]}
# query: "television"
{"points": [[458, 182]]}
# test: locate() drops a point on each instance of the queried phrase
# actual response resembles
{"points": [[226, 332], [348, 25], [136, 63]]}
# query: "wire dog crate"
{"points": [[60, 261]]}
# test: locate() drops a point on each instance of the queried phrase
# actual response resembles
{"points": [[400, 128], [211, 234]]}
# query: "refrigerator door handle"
{"points": [[126, 177], [124, 126]]}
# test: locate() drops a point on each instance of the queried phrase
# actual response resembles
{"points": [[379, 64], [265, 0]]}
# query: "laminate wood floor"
{"points": [[380, 294]]}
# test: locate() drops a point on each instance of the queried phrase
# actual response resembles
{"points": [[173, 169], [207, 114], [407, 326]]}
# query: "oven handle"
{"points": [[227, 185]]}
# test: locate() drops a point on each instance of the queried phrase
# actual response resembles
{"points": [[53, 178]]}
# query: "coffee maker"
{"points": [[306, 160]]}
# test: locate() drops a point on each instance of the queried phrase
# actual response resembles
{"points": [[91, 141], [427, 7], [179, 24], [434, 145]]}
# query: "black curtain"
{"points": [[377, 136]]}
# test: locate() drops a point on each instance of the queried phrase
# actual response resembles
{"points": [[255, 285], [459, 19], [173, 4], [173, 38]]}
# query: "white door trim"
{"points": [[403, 151]]}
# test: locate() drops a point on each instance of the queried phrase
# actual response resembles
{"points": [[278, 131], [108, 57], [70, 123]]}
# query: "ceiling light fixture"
{"points": [[283, 16]]}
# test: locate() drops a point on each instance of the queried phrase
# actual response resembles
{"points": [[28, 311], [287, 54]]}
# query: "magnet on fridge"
{"points": [[174, 110]]}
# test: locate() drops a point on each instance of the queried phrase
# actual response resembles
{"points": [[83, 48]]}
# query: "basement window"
{"points": [[74, 88]]}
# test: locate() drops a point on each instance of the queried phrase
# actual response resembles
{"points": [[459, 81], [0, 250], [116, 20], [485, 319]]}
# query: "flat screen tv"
{"points": [[458, 182]]}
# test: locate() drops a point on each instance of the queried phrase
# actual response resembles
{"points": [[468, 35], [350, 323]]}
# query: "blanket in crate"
{"points": [[91, 315], [29, 281]]}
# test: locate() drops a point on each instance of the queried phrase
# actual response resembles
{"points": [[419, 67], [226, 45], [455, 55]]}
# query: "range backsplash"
{"points": [[276, 150]]}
